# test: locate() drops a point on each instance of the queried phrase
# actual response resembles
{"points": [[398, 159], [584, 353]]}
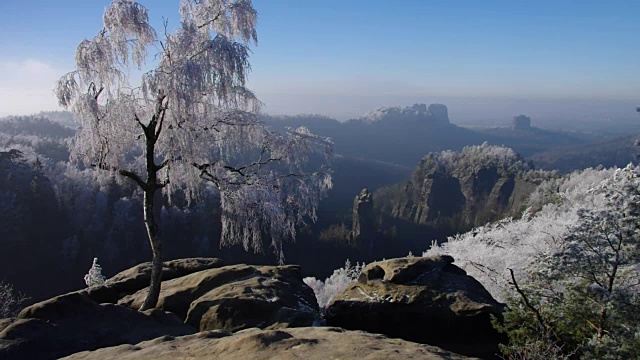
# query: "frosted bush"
{"points": [[335, 284], [94, 277], [10, 300], [488, 252]]}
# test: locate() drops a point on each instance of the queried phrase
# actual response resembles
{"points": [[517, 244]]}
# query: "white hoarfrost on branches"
{"points": [[10, 300], [190, 117], [335, 284], [94, 277], [489, 252]]}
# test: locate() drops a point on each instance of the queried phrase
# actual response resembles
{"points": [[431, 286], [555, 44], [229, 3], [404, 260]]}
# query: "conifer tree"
{"points": [[94, 276]]}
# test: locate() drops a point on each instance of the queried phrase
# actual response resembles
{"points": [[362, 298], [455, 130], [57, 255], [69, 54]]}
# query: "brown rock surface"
{"points": [[138, 277], [427, 300], [237, 297], [311, 343], [73, 322]]}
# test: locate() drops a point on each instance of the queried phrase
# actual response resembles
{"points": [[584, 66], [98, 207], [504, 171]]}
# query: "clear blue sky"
{"points": [[341, 56]]}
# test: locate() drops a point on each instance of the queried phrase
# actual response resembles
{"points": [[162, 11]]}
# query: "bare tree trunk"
{"points": [[152, 228], [156, 247], [603, 313]]}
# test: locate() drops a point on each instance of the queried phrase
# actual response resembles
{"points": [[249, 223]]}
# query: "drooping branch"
{"points": [[163, 164], [527, 303], [126, 173], [143, 126], [98, 93], [217, 16], [256, 164], [133, 176]]}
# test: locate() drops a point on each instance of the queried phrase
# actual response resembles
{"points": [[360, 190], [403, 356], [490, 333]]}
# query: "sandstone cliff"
{"points": [[460, 189], [434, 114]]}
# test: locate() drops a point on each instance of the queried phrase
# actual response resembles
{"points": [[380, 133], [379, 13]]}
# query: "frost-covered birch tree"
{"points": [[189, 118]]}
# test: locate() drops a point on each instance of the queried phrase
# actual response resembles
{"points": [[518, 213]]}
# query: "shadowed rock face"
{"points": [[363, 217], [426, 300], [521, 122], [317, 343], [198, 294], [438, 113], [445, 198], [73, 322], [458, 191], [363, 230]]}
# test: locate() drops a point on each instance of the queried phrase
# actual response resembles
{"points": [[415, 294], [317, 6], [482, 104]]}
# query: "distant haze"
{"points": [[462, 111], [545, 113], [346, 58]]}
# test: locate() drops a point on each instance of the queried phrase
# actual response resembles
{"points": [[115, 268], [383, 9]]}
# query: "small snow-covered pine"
{"points": [[94, 277]]}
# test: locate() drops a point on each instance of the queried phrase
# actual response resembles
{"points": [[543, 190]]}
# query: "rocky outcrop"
{"points": [[521, 122], [197, 295], [363, 228], [434, 114], [138, 277], [260, 312], [300, 343], [237, 297], [73, 322], [460, 190], [427, 300], [438, 114], [363, 217]]}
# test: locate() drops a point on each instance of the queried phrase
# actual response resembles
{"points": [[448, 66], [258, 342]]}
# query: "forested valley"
{"points": [[72, 214]]}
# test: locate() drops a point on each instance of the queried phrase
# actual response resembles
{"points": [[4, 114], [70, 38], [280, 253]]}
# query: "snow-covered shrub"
{"points": [[335, 284], [10, 300], [570, 270], [488, 252], [94, 277], [587, 291]]}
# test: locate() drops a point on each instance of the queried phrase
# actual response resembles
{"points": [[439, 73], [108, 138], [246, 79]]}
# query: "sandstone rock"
{"points": [[237, 297], [427, 300], [460, 190], [317, 343], [434, 114], [438, 113], [521, 122], [138, 277], [363, 229], [73, 322], [6, 322]]}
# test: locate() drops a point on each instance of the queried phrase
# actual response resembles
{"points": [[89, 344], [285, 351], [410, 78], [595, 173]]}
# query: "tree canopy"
{"points": [[191, 117]]}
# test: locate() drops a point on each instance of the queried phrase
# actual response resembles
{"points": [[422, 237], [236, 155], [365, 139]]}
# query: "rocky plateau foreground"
{"points": [[398, 309]]}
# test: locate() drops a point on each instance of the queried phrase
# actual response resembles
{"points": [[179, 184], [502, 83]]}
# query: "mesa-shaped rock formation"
{"points": [[434, 114], [521, 122]]}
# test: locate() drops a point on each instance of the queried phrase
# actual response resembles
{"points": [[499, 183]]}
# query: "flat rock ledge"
{"points": [[309, 343]]}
